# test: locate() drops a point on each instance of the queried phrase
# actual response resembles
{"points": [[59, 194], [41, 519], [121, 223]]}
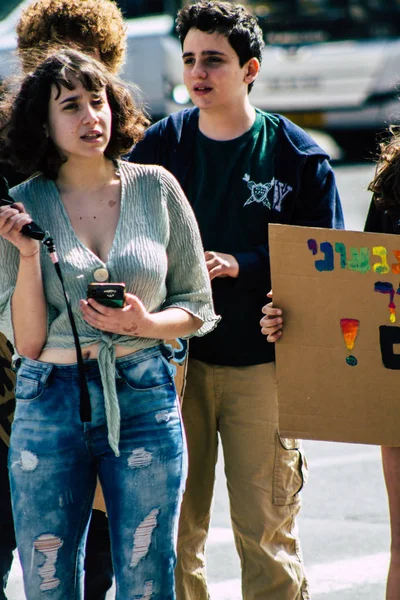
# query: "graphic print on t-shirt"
{"points": [[259, 192], [280, 191]]}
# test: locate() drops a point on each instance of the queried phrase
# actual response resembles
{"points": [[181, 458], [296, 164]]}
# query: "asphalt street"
{"points": [[344, 519]]}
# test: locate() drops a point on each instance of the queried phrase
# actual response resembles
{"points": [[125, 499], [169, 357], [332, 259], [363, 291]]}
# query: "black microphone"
{"points": [[31, 229]]}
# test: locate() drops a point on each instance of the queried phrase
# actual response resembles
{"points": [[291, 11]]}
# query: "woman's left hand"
{"points": [[133, 319]]}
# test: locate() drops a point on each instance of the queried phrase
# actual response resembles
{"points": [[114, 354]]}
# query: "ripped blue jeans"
{"points": [[54, 461]]}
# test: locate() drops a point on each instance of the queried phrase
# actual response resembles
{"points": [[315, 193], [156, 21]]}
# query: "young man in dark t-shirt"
{"points": [[241, 168]]}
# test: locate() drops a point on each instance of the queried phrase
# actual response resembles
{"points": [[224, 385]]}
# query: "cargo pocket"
{"points": [[290, 471]]}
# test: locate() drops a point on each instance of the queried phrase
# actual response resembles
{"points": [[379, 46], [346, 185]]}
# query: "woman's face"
{"points": [[79, 121]]}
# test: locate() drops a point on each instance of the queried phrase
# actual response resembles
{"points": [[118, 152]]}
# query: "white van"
{"points": [[153, 61], [332, 65]]}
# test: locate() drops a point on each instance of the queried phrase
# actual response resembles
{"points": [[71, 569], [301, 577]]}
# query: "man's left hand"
{"points": [[221, 265]]}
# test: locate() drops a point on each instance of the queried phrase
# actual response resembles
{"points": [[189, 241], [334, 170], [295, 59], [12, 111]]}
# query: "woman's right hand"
{"points": [[12, 220], [272, 323]]}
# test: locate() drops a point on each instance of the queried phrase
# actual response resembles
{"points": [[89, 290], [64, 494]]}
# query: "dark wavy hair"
{"points": [[385, 185], [233, 21], [23, 114]]}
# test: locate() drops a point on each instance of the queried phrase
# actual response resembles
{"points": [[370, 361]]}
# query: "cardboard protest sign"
{"points": [[338, 361]]}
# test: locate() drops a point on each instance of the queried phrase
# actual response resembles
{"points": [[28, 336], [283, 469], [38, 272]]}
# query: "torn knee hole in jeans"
{"points": [[162, 416], [28, 460], [48, 545], [142, 537], [147, 591], [139, 458]]}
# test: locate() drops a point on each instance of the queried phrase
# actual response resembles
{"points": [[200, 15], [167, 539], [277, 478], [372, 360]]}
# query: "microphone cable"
{"points": [[35, 232]]}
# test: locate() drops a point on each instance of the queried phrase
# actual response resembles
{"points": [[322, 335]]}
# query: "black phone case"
{"points": [[107, 294]]}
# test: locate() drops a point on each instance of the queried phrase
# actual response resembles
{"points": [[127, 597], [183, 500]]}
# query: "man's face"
{"points": [[211, 71]]}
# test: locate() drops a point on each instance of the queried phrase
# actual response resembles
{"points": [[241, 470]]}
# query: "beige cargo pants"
{"points": [[264, 475]]}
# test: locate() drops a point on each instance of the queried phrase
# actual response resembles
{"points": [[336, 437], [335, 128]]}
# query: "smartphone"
{"points": [[107, 294]]}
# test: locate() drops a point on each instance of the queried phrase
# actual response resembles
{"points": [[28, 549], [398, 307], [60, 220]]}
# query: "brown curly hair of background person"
{"points": [[96, 24], [385, 185]]}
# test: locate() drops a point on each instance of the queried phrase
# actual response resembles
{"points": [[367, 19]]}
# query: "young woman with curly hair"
{"points": [[98, 27], [134, 222]]}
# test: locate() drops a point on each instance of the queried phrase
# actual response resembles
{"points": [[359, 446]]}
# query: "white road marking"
{"points": [[325, 578], [225, 590], [347, 574], [220, 535]]}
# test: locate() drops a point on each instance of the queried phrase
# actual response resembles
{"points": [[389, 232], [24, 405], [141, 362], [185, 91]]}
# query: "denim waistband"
{"points": [[92, 368], [106, 367]]}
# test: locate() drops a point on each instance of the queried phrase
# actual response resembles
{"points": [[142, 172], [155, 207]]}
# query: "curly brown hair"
{"points": [[96, 24], [385, 185], [23, 139]]}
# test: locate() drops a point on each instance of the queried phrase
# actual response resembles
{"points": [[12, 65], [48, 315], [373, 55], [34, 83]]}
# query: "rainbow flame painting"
{"points": [[350, 330]]}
